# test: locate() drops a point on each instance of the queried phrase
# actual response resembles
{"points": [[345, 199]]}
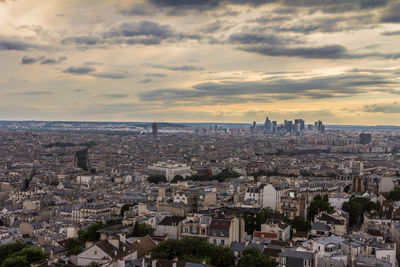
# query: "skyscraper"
{"points": [[288, 126], [267, 126], [253, 128], [155, 129]]}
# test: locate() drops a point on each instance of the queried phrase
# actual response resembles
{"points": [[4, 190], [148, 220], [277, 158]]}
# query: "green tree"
{"points": [[356, 208], [74, 247], [317, 205], [90, 234], [19, 254], [194, 250], [141, 229], [18, 261], [155, 179], [299, 223], [9, 249], [252, 257], [177, 179], [126, 208], [394, 194], [222, 256], [31, 254]]}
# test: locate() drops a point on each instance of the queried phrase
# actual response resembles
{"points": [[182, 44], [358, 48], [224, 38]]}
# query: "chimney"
{"points": [[122, 238]]}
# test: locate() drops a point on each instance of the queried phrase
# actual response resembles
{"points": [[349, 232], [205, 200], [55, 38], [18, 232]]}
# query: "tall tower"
{"points": [[155, 129], [267, 126]]}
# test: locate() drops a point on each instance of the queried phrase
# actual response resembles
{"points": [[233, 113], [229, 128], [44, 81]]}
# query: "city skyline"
{"points": [[218, 61]]}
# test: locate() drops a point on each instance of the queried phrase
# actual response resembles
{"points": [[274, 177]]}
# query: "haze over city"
{"points": [[200, 61]]}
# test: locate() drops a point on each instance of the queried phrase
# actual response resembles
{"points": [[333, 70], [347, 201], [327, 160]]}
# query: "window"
{"points": [[223, 242], [307, 263], [95, 252]]}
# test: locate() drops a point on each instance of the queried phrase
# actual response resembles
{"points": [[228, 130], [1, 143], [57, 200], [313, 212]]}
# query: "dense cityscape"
{"points": [[199, 133], [291, 194]]}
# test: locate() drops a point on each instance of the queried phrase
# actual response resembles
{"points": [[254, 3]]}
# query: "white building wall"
{"points": [[92, 254], [271, 198], [170, 231], [387, 255]]}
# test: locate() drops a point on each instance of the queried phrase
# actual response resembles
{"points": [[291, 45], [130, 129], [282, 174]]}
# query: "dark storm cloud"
{"points": [[27, 60], [79, 70], [322, 52], [391, 33], [203, 5], [382, 108], [216, 26], [344, 85], [270, 19], [329, 51], [182, 7], [110, 75], [146, 80], [336, 6], [391, 14], [326, 23], [115, 95], [53, 61], [143, 28], [82, 40], [256, 38], [176, 68], [157, 75], [33, 93], [8, 43], [132, 33]]}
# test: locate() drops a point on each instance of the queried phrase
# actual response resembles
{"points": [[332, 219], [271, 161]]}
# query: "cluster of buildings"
{"points": [[47, 198], [288, 127]]}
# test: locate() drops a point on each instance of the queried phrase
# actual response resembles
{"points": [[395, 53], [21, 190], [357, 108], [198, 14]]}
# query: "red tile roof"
{"points": [[265, 235]]}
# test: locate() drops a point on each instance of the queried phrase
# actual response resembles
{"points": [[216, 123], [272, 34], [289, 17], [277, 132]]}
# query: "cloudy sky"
{"points": [[201, 60]]}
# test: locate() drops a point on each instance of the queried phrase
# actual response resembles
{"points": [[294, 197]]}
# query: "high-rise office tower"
{"points": [[155, 129], [253, 128], [267, 126], [288, 126], [298, 126]]}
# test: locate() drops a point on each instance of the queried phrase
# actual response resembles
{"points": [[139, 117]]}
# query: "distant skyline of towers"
{"points": [[288, 127]]}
